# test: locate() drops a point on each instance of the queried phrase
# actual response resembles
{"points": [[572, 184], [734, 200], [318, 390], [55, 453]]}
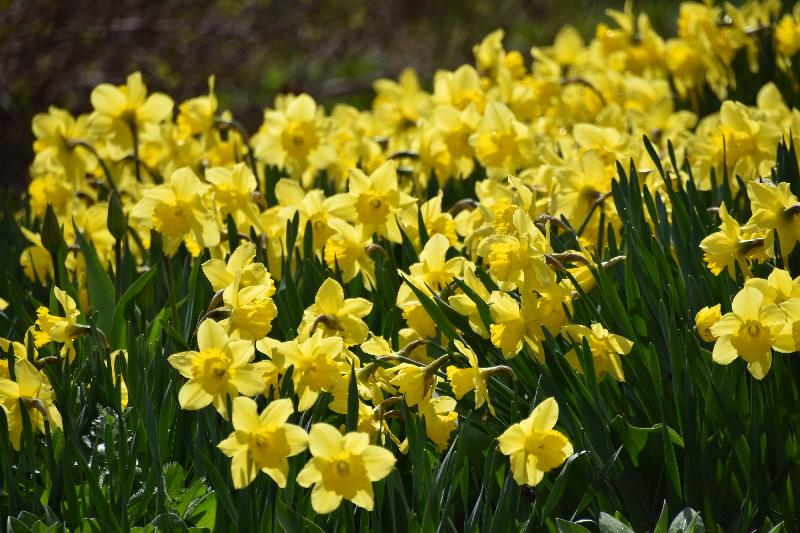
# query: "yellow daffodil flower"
{"points": [[262, 442], [518, 260], [177, 210], [293, 137], [399, 104], [56, 132], [316, 365], [222, 275], [731, 246], [335, 315], [231, 189], [502, 143], [514, 324], [749, 331], [440, 418], [63, 330], [35, 260], [118, 109], [413, 383], [472, 379], [347, 250], [252, 311], [220, 369], [534, 446], [704, 319], [377, 199], [36, 395], [780, 289], [343, 467], [606, 348], [196, 115], [312, 206], [774, 208]]}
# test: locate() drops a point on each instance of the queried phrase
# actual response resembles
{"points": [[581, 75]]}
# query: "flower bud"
{"points": [[116, 222], [52, 237]]}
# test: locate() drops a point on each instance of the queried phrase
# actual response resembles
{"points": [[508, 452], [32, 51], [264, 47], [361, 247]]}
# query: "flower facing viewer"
{"points": [[222, 367], [262, 441], [749, 331], [534, 446], [343, 467]]}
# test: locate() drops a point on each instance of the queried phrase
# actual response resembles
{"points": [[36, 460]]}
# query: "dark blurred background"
{"points": [[53, 52]]}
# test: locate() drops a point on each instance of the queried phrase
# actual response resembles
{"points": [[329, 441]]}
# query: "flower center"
{"points": [[342, 468], [346, 475], [503, 211], [230, 199], [172, 219], [269, 446], [548, 447], [372, 208], [338, 250], [495, 146], [752, 341], [254, 317], [504, 259], [299, 138], [212, 369]]}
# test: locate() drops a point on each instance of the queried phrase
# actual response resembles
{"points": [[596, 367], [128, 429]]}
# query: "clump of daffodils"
{"points": [[417, 300]]}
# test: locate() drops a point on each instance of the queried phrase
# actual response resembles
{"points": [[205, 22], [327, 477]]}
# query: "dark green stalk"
{"points": [[171, 291]]}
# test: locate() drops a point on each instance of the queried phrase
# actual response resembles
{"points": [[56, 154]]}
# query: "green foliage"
{"points": [[680, 433]]}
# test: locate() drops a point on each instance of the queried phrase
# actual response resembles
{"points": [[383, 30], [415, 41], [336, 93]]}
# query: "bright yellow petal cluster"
{"points": [[221, 369], [534, 446], [343, 467], [30, 390], [262, 442]]}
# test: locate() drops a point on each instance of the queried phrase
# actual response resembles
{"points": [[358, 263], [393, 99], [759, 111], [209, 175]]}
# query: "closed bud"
{"points": [[117, 223], [52, 236]]}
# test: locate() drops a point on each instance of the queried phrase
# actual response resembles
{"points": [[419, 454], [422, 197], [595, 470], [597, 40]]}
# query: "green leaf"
{"points": [[687, 521], [101, 289], [635, 438], [173, 334], [559, 486], [118, 329], [609, 524], [233, 232], [291, 522], [661, 525], [15, 525], [204, 512], [570, 527], [52, 236], [220, 488], [351, 421]]}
